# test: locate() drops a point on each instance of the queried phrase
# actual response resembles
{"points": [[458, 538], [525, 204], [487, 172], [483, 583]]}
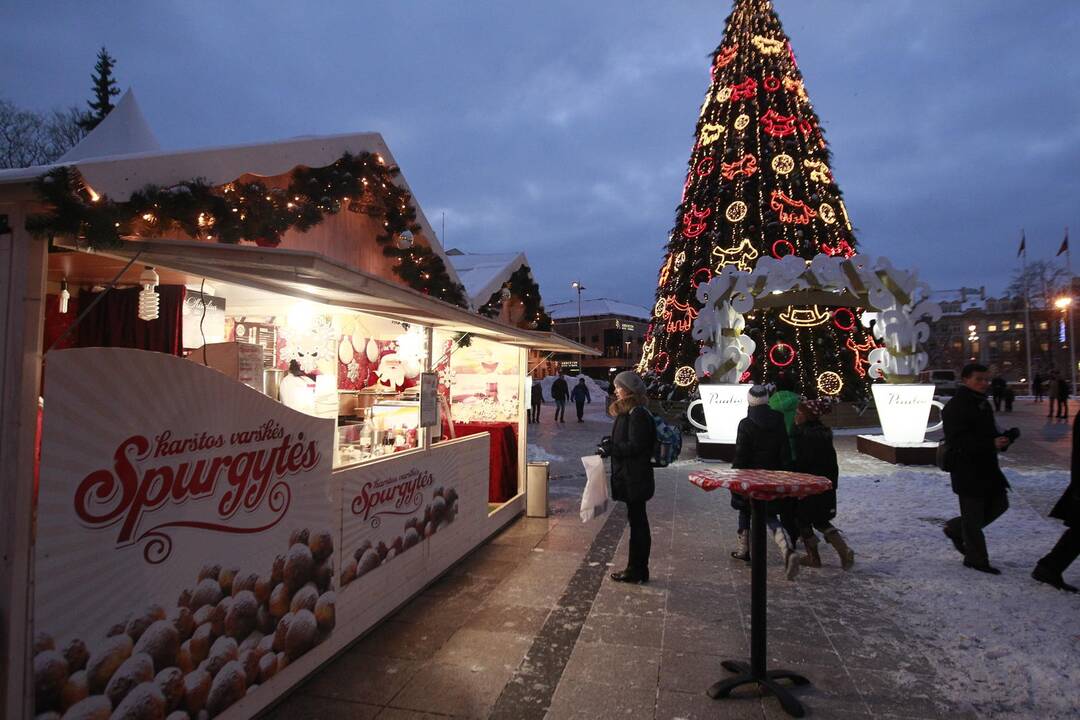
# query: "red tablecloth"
{"points": [[503, 458], [761, 484]]}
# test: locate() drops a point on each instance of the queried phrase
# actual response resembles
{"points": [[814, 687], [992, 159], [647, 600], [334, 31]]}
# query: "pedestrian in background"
{"points": [[1037, 387], [997, 391], [560, 391], [630, 447], [1052, 392], [762, 444], [1063, 391], [973, 442], [537, 399], [1050, 567], [580, 396], [815, 455]]}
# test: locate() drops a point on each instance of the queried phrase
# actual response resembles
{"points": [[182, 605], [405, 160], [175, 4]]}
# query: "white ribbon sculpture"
{"points": [[899, 301]]}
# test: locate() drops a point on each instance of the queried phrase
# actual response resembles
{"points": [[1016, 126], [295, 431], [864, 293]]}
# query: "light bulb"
{"points": [[64, 297], [148, 297]]}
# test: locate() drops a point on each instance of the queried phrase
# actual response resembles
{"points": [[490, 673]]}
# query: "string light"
{"points": [[830, 383], [804, 317], [736, 211]]}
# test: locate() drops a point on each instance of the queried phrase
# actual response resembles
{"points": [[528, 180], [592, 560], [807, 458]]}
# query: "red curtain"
{"points": [[114, 322]]}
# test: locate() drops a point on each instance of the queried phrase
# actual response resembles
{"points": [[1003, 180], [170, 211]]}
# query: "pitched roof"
{"points": [[484, 273], [597, 307]]}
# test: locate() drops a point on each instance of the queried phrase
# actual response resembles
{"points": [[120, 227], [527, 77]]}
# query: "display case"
{"points": [[372, 424]]}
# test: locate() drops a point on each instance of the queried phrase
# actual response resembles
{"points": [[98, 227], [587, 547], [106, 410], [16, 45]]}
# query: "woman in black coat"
{"points": [[815, 455], [630, 448], [1050, 568]]}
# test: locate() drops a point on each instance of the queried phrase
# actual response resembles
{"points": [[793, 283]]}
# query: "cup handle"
{"points": [[940, 421], [689, 417]]}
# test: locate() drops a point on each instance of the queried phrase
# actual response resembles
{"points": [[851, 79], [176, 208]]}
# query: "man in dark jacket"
{"points": [[537, 398], [580, 396], [1050, 568], [762, 444], [997, 391], [974, 441], [560, 391]]}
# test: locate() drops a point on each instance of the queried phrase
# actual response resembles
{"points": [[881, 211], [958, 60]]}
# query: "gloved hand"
{"points": [[604, 448]]}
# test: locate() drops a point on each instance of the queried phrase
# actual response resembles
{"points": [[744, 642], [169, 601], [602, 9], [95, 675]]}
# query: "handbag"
{"points": [[597, 496]]}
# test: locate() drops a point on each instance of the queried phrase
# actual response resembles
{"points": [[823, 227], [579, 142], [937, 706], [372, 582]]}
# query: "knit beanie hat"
{"points": [[814, 409], [631, 381], [759, 395]]}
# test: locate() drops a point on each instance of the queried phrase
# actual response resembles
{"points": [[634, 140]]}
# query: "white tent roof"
{"points": [[118, 176], [484, 273], [597, 307], [123, 131]]}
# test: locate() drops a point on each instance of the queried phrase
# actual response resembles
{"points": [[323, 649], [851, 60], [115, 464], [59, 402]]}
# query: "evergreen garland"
{"points": [[522, 285], [250, 211]]}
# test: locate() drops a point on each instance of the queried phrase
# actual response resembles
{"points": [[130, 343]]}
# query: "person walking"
{"points": [[580, 396], [1052, 392], [1051, 566], [560, 391], [762, 444], [815, 455], [537, 399], [997, 391], [1037, 387], [972, 445], [1063, 392], [630, 447]]}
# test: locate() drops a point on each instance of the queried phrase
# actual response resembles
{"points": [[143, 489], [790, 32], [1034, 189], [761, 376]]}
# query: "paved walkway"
{"points": [[531, 626]]}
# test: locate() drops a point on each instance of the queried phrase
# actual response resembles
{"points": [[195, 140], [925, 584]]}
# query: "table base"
{"points": [[754, 671], [767, 682]]}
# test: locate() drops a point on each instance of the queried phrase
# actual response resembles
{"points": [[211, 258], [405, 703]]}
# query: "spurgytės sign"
{"points": [[185, 541]]}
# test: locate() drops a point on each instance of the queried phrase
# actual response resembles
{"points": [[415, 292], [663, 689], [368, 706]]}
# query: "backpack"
{"points": [[668, 442]]}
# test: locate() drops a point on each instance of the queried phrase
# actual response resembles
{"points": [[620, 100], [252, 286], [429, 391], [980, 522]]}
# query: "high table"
{"points": [[760, 486]]}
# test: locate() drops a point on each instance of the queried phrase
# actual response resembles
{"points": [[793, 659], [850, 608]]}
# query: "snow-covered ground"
{"points": [[1006, 646]]}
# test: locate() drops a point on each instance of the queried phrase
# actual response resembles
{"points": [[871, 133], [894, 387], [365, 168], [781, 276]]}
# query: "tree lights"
{"points": [[758, 187]]}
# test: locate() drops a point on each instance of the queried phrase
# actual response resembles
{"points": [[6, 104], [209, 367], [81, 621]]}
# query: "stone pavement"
{"points": [[531, 626]]}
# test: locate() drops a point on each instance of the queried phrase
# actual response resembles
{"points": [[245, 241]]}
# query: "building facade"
{"points": [[615, 328], [994, 331]]}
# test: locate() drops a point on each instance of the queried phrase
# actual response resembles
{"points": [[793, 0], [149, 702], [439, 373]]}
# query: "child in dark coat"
{"points": [[815, 455]]}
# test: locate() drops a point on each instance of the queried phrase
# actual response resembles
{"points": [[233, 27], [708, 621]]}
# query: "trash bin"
{"points": [[536, 489]]}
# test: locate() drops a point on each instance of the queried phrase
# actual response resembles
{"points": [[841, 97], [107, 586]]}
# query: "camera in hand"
{"points": [[1013, 434]]}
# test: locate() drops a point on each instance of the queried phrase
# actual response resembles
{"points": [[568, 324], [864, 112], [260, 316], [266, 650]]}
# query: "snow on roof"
{"points": [[482, 274], [123, 131], [597, 307]]}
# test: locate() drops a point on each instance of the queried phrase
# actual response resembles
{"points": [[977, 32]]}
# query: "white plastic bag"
{"points": [[597, 495]]}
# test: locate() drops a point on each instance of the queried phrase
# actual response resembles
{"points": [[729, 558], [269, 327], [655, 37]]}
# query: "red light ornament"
{"points": [[662, 361], [778, 125], [744, 90], [771, 83], [784, 349], [842, 247], [724, 58], [776, 246], [790, 210], [746, 166], [843, 319], [694, 221], [701, 276]]}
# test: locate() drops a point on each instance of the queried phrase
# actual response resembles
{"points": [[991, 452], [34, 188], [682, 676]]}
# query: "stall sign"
{"points": [[429, 399], [186, 527]]}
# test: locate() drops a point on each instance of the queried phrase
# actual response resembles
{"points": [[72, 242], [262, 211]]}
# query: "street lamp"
{"points": [[1064, 304], [627, 343], [581, 358]]}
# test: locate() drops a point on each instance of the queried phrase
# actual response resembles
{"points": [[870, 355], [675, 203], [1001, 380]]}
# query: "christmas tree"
{"points": [[104, 91], [758, 183]]}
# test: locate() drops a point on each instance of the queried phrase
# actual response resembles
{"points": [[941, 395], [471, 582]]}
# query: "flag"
{"points": [[1064, 244], [1023, 245]]}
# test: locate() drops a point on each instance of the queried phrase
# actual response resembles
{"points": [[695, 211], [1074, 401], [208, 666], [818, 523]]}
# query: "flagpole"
{"points": [[1072, 300], [1027, 313]]}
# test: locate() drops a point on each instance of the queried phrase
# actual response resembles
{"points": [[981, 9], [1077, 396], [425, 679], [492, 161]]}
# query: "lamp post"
{"points": [[581, 358], [1064, 304]]}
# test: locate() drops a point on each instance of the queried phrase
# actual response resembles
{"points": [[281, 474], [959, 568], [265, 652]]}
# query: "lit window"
{"points": [[1019, 326], [1045, 346], [991, 328], [1005, 324], [1042, 325]]}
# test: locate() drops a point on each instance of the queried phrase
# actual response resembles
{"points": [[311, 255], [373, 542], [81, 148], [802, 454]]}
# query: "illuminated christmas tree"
{"points": [[758, 183]]}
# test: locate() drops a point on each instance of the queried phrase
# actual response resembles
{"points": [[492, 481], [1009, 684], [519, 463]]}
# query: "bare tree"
{"points": [[29, 138], [1045, 280]]}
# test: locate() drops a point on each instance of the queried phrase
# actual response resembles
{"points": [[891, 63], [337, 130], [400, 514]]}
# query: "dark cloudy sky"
{"points": [[563, 127]]}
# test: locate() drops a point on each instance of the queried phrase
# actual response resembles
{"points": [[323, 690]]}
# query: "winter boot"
{"points": [[791, 558], [836, 539], [742, 546], [811, 558]]}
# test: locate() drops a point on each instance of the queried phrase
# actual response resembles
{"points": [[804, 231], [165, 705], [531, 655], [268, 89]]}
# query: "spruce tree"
{"points": [[758, 183], [104, 89]]}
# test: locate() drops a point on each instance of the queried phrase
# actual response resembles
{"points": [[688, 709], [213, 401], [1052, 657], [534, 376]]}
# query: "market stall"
{"points": [[297, 448]]}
